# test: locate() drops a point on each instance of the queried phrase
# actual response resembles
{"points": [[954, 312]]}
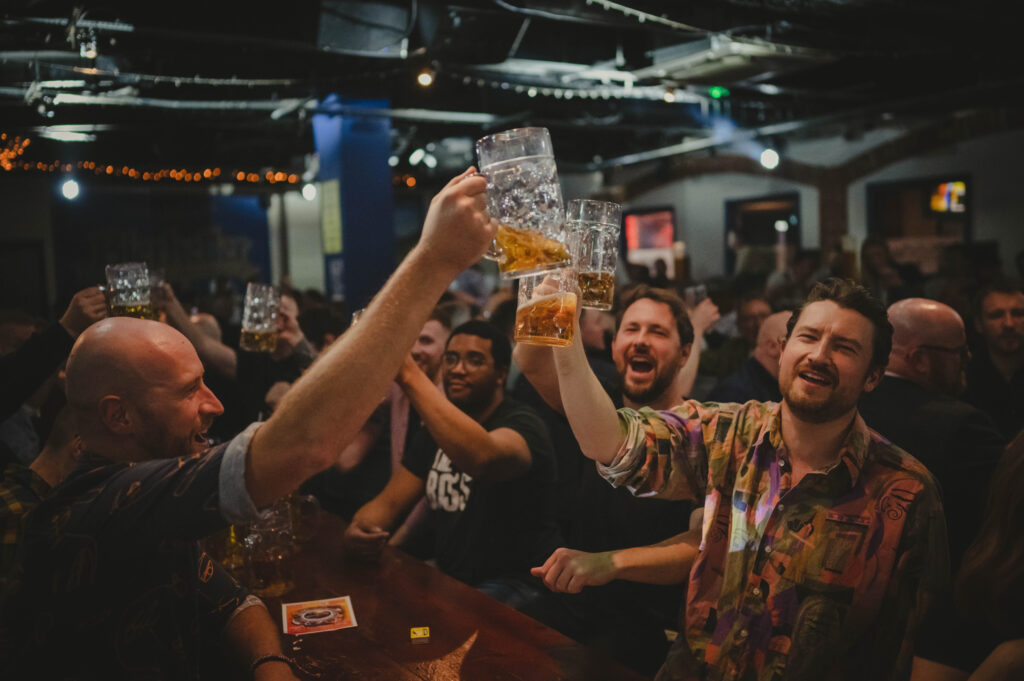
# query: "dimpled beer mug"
{"points": [[547, 308], [128, 291], [594, 236], [259, 319], [524, 198]]}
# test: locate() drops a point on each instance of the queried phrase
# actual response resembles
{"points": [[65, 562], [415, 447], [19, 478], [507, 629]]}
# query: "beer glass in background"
{"points": [[267, 549], [546, 311], [525, 199], [593, 228], [259, 320], [128, 293]]}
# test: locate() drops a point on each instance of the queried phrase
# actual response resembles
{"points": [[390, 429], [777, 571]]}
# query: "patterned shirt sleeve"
{"points": [[664, 453], [922, 573]]}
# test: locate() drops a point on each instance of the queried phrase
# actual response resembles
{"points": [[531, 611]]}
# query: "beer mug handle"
{"points": [[494, 252]]}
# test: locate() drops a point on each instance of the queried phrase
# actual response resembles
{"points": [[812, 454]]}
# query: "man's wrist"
{"points": [[272, 658]]}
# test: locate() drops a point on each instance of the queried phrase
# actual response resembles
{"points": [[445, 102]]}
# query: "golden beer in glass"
{"points": [[547, 321], [597, 290], [593, 228], [259, 319]]}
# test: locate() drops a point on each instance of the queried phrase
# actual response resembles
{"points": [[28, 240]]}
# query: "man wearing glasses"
{"points": [[916, 407], [484, 462]]}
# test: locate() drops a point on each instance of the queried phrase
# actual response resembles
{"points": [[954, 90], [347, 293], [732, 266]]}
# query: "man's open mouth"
{"points": [[816, 377], [641, 365]]}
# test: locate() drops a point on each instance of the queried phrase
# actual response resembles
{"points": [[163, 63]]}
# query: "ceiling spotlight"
{"points": [[430, 161], [425, 77], [770, 159], [670, 95], [392, 160], [70, 190], [309, 191], [416, 156], [532, 92], [781, 226]]}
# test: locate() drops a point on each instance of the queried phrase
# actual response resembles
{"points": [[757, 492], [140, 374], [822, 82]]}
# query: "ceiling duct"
{"points": [[719, 59]]}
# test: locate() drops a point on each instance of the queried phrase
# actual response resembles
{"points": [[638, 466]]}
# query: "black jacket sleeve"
{"points": [[25, 369]]}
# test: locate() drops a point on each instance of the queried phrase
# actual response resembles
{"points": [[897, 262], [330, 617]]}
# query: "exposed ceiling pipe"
{"points": [[282, 107]]}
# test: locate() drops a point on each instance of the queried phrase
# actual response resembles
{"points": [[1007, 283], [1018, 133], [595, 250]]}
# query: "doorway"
{"points": [[755, 227]]}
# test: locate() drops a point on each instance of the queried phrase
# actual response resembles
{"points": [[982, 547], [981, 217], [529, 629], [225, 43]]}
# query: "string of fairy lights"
{"points": [[12, 150]]}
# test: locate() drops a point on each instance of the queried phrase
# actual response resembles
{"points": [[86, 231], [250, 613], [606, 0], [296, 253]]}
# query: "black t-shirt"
{"points": [[114, 584], [949, 638], [489, 529]]}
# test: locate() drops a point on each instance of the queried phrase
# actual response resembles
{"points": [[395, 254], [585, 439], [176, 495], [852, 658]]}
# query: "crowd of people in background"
{"points": [[459, 450]]}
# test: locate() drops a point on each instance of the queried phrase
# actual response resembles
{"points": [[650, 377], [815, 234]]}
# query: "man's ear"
{"points": [[874, 377], [113, 413], [919, 361]]}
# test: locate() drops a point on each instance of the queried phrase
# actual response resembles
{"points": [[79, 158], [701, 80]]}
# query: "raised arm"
{"points": [[211, 351], [537, 363], [327, 406], [701, 317], [667, 562], [590, 411], [499, 454]]}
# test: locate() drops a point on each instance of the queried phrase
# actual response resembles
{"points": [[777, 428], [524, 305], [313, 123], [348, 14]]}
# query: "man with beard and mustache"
{"points": [[823, 545], [113, 583], [615, 584], [916, 407], [995, 376], [483, 461]]}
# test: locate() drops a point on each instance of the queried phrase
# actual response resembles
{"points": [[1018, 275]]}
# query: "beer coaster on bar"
{"points": [[314, 617]]}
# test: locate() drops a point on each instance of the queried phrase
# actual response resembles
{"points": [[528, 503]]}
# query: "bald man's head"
{"points": [[771, 337], [137, 390], [929, 345]]}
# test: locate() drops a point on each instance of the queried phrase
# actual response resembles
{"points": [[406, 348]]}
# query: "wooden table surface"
{"points": [[472, 636]]}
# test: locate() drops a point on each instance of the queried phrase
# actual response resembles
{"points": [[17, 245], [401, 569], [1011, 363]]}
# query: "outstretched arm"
{"points": [[537, 363], [327, 406], [667, 562], [590, 410]]}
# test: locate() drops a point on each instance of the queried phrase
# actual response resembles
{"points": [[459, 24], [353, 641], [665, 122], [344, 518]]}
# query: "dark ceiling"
{"points": [[235, 84]]}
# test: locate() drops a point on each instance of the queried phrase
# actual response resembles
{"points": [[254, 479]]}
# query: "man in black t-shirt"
{"points": [[483, 461]]}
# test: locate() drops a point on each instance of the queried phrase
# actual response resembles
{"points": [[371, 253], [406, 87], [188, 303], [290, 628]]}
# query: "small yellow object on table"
{"points": [[419, 634]]}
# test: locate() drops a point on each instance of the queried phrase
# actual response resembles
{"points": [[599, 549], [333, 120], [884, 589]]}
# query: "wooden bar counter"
{"points": [[472, 636]]}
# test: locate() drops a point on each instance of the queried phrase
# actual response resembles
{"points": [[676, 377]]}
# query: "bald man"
{"points": [[114, 583], [758, 377], [916, 407]]}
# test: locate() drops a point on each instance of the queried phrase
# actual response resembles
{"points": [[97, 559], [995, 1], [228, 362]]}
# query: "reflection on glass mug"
{"points": [[259, 319], [267, 549], [524, 198], [594, 237], [128, 291]]}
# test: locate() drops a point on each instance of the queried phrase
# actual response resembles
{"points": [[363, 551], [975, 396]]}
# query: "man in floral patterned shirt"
{"points": [[822, 542]]}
